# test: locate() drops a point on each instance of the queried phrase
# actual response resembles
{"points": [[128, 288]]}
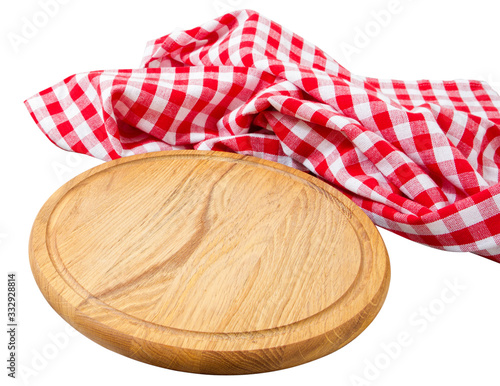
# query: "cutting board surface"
{"points": [[209, 262]]}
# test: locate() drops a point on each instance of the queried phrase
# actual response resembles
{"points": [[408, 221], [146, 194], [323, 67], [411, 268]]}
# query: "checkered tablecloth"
{"points": [[421, 158]]}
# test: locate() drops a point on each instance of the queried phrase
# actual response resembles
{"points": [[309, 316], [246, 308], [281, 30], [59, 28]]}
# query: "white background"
{"points": [[456, 344]]}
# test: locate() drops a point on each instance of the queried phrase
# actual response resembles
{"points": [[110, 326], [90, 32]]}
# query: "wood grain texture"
{"points": [[209, 262]]}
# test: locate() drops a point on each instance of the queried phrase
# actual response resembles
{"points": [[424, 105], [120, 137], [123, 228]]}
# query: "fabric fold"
{"points": [[421, 158]]}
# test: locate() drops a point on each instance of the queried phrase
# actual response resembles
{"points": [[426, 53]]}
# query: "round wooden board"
{"points": [[209, 262]]}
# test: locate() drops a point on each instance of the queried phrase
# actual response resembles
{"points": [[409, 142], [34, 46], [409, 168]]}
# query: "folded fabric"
{"points": [[421, 158]]}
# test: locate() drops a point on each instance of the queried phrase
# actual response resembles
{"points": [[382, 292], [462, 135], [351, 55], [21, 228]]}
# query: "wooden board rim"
{"points": [[78, 310]]}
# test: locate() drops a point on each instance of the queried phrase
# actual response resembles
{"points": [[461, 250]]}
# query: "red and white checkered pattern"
{"points": [[420, 158]]}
